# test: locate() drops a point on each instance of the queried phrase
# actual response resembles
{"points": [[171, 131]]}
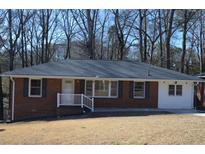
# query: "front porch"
{"points": [[75, 100], [106, 94]]}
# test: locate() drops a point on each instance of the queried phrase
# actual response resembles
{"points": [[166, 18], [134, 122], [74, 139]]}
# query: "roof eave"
{"points": [[99, 78]]}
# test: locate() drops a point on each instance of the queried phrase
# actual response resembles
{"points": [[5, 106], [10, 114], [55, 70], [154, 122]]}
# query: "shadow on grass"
{"points": [[99, 115]]}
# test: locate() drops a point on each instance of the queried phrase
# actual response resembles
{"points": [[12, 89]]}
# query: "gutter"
{"points": [[13, 96], [100, 78]]}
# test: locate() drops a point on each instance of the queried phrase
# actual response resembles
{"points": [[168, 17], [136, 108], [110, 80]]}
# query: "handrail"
{"points": [[92, 102], [69, 94], [82, 100], [87, 97]]}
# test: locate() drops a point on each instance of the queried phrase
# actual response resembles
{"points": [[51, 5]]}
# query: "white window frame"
{"points": [[175, 90], [92, 87], [109, 89], [140, 97], [29, 87]]}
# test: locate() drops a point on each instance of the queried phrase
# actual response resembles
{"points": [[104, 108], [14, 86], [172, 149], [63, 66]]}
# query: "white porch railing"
{"points": [[82, 100]]}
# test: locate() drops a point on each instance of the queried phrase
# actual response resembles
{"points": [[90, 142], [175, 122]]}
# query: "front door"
{"points": [[67, 92]]}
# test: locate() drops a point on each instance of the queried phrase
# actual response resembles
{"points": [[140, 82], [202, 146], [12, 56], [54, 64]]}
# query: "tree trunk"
{"points": [[68, 55], [152, 52], [145, 36], [46, 36], [1, 98], [31, 55], [187, 67], [140, 35], [184, 41], [202, 67], [168, 39], [121, 51], [43, 36], [160, 39], [101, 42], [11, 50], [26, 51], [11, 59], [90, 25], [112, 50], [31, 48], [22, 38]]}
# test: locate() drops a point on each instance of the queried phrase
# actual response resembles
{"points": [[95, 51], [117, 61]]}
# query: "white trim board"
{"points": [[133, 91], [109, 89], [29, 88]]}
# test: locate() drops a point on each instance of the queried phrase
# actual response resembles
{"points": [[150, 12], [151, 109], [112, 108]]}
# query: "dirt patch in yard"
{"points": [[144, 129]]}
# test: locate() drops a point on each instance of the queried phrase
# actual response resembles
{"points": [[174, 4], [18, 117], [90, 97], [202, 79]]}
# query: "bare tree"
{"points": [[102, 33], [145, 36], [160, 38], [87, 23], [48, 23], [112, 43], [187, 16], [1, 98], [123, 28], [201, 40], [68, 26], [1, 88], [169, 35], [24, 17], [140, 34], [13, 36]]}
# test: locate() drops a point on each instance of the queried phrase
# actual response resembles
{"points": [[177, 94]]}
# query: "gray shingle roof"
{"points": [[101, 69], [201, 75]]}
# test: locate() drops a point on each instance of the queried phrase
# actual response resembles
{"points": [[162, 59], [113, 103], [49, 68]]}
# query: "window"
{"points": [[179, 90], [89, 88], [35, 88], [114, 89], [101, 88], [175, 90], [171, 90], [139, 89]]}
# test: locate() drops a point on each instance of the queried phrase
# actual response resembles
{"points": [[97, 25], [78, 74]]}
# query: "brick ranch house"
{"points": [[68, 87]]}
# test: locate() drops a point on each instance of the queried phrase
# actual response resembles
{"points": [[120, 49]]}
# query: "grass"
{"points": [[144, 129]]}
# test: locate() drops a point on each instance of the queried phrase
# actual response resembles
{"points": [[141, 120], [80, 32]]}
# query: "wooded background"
{"points": [[168, 38], [173, 39]]}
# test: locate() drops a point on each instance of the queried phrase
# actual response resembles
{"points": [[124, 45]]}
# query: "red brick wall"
{"points": [[125, 101], [27, 107]]}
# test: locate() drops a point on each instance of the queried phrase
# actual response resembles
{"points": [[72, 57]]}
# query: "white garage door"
{"points": [[166, 101]]}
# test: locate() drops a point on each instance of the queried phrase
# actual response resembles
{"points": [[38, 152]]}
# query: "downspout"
{"points": [[13, 94]]}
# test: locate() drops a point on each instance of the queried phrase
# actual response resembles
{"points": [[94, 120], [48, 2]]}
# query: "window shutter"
{"points": [[82, 86], [147, 90], [25, 87], [44, 87], [131, 86], [120, 89]]}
